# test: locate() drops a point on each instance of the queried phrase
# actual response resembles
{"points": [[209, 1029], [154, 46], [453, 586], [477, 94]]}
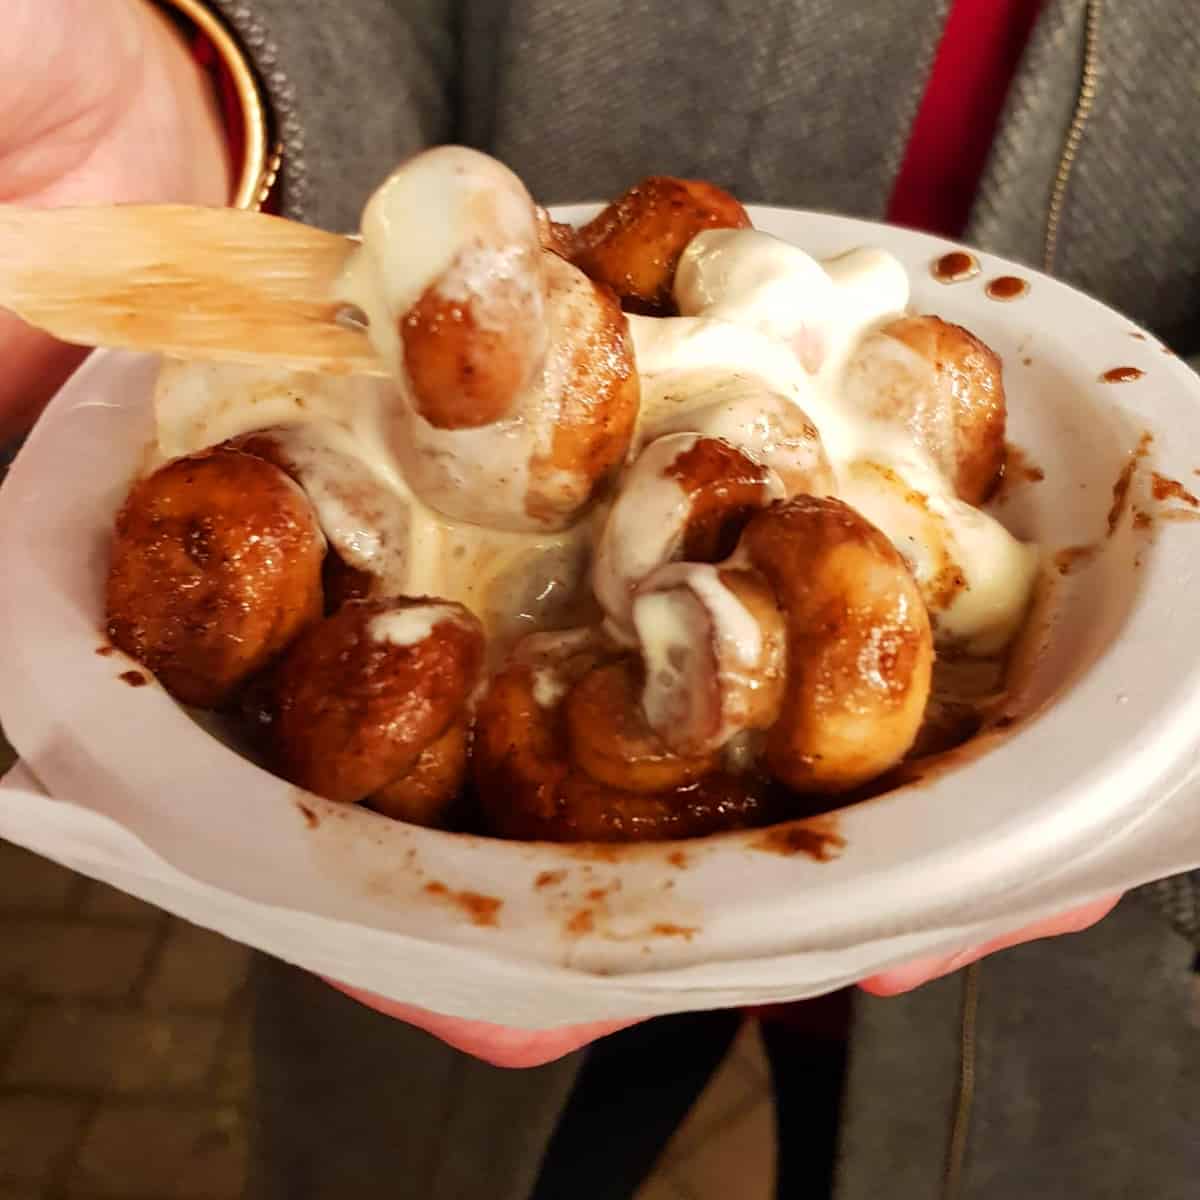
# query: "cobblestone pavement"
{"points": [[124, 1063]]}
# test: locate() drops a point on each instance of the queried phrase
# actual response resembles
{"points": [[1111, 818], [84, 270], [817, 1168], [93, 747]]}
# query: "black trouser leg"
{"points": [[808, 1068], [633, 1091]]}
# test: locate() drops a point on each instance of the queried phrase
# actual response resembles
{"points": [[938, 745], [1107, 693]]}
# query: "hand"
{"points": [[495, 1044], [914, 974], [109, 108], [505, 1047]]}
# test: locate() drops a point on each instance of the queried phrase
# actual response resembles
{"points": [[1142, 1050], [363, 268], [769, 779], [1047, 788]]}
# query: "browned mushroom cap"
{"points": [[713, 644], [568, 427], [685, 498], [216, 567], [347, 499], [470, 350], [528, 788], [471, 329], [634, 245], [609, 739], [362, 694], [594, 405], [948, 393], [427, 792], [860, 649]]}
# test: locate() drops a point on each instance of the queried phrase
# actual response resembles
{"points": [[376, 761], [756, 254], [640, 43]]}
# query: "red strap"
{"points": [[948, 148]]}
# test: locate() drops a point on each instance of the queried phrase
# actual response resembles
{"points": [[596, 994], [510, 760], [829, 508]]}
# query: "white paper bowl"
{"points": [[580, 933]]}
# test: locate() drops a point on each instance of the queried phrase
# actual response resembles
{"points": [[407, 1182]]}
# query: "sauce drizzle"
{"points": [[955, 267], [816, 838], [1007, 287], [1122, 375], [1171, 489], [481, 910], [1120, 490]]}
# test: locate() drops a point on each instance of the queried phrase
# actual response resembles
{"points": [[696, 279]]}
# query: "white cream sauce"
{"points": [[742, 289], [487, 475], [449, 216], [514, 582], [409, 626], [766, 330], [704, 652]]}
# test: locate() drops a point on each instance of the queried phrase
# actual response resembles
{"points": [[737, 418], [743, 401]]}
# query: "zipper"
{"points": [[964, 1100], [1085, 101]]}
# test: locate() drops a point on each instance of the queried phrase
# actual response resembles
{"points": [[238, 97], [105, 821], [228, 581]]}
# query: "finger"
{"points": [[495, 1044], [35, 367], [912, 975]]}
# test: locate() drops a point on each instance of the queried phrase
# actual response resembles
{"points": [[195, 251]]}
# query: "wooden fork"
{"points": [[187, 282]]}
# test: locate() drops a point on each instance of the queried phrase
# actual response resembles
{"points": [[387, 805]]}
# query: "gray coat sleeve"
{"points": [[353, 86], [1178, 899]]}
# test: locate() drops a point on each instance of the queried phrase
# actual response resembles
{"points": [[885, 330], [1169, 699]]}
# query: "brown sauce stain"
{"points": [[1120, 491], [1120, 494], [1071, 558], [1171, 489], [106, 651], [1007, 287], [481, 910], [596, 895], [547, 879], [1027, 361], [583, 922], [310, 817], [135, 679], [955, 267], [1122, 375], [677, 859], [1179, 515], [1018, 469], [815, 837], [1142, 519], [1137, 335], [667, 929]]}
